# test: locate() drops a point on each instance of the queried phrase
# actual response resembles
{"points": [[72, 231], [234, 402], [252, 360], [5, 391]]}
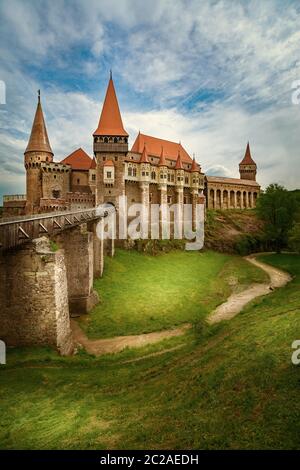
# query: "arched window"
{"points": [[134, 172], [153, 175], [116, 140], [106, 140], [129, 171]]}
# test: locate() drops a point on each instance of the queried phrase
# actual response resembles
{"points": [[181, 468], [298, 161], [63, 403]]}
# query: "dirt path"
{"points": [[236, 302], [225, 311], [118, 343]]}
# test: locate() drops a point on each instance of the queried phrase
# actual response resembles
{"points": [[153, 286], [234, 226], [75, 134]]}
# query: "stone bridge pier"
{"points": [[45, 281]]}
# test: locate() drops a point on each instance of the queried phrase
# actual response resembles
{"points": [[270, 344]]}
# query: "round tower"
{"points": [[247, 167], [37, 152]]}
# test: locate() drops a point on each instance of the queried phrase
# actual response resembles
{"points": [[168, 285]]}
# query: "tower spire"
{"points": [[144, 157], [248, 166], [110, 122], [162, 160], [178, 165], [38, 140]]}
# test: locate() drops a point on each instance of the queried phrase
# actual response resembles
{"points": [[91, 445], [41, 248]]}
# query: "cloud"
{"points": [[213, 74]]}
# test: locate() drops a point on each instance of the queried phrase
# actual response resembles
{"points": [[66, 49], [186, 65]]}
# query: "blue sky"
{"points": [[212, 74]]}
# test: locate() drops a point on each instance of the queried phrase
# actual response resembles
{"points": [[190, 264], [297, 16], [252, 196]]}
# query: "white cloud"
{"points": [[211, 74]]}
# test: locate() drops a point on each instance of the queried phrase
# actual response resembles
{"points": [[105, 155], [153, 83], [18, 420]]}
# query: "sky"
{"points": [[211, 74]]}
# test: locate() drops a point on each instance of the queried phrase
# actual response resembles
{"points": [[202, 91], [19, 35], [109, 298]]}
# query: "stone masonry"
{"points": [[34, 297]]}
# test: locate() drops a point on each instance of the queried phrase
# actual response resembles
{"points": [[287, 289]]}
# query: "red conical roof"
{"points": [[247, 160], [38, 140], [178, 165], [110, 122], [93, 164], [195, 166], [144, 157], [162, 160]]}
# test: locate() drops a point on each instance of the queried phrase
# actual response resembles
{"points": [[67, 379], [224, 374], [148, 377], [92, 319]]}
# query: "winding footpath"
{"points": [[233, 305], [236, 302]]}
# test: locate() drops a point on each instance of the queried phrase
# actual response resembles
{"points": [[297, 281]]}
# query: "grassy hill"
{"points": [[141, 293], [228, 386], [233, 231]]}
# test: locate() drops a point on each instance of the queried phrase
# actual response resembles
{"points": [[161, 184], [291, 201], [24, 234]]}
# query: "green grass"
{"points": [[141, 293], [229, 386]]}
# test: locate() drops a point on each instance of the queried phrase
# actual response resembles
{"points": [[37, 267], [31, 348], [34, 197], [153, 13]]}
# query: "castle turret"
{"points": [[195, 170], [144, 166], [38, 151], [179, 170], [110, 144], [247, 167]]}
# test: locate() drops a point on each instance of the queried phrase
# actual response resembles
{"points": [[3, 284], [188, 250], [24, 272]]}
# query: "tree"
{"points": [[294, 237], [277, 207]]}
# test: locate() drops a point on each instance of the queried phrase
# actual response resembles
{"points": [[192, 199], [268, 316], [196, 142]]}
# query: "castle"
{"points": [[154, 171]]}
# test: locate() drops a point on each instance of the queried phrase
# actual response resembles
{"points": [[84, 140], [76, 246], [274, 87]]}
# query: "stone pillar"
{"points": [[251, 199], [79, 255], [144, 186], [34, 297], [179, 201], [215, 199], [235, 200], [98, 264], [195, 198], [163, 203], [221, 198]]}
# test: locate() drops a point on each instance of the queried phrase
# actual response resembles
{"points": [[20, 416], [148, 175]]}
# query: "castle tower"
{"points": [[179, 185], [162, 177], [38, 151], [248, 166], [110, 146], [144, 187], [195, 183]]}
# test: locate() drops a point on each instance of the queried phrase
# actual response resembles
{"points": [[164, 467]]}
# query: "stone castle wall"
{"points": [[34, 297]]}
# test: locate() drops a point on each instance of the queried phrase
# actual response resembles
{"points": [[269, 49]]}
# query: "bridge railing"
{"points": [[16, 231]]}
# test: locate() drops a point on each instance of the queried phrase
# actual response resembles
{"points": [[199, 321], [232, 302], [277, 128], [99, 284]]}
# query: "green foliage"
{"points": [[233, 387], [53, 246], [155, 247], [247, 244], [294, 237], [277, 207]]}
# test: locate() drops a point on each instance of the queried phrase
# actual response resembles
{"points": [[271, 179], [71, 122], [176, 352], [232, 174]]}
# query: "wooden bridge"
{"points": [[18, 230]]}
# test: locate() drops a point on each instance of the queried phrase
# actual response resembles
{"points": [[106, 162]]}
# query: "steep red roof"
{"points": [[38, 140], [93, 164], [195, 166], [248, 160], [144, 157], [79, 160], [110, 122], [154, 146], [178, 165], [162, 160]]}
